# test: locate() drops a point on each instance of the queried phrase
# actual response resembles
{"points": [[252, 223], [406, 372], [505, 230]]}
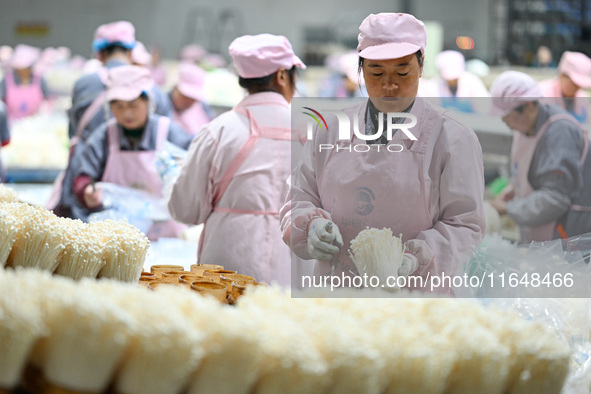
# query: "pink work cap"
{"points": [[24, 56], [262, 55], [191, 79], [126, 83], [451, 64], [512, 89], [120, 33], [140, 55], [391, 36], [577, 66]]}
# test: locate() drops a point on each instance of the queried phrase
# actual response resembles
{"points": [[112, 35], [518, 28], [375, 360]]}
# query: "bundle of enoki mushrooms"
{"points": [[34, 237], [377, 253], [125, 249], [97, 335], [7, 194]]}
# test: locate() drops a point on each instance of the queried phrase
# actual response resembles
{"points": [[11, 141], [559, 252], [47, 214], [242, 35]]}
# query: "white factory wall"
{"points": [[171, 23]]}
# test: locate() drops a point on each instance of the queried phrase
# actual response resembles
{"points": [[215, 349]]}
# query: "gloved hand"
{"points": [[324, 239], [409, 264]]}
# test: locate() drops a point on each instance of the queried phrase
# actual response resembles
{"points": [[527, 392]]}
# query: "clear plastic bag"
{"points": [[169, 161], [551, 269], [138, 207], [564, 310]]}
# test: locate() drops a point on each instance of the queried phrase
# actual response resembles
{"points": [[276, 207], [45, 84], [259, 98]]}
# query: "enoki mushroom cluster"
{"points": [[98, 335], [34, 237]]}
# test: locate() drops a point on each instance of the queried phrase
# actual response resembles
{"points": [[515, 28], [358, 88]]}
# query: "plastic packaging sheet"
{"points": [[570, 319], [552, 269], [138, 207], [563, 309]]}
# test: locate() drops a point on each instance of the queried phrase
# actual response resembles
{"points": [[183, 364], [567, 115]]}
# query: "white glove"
{"points": [[324, 239], [409, 265]]}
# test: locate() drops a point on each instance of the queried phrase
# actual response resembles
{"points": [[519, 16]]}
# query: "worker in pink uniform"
{"points": [[112, 45], [23, 90], [187, 100], [550, 192], [123, 149], [234, 178], [567, 88], [457, 88], [430, 191]]}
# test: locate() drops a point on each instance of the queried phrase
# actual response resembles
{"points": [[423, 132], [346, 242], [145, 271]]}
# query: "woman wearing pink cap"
{"points": [[22, 90], [456, 88], [112, 45], [187, 101], [550, 192], [430, 191], [567, 88], [234, 176], [122, 150]]}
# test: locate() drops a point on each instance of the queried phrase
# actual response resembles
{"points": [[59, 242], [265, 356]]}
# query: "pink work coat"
{"points": [[138, 169], [431, 192], [522, 153], [192, 119], [234, 181], [23, 100]]}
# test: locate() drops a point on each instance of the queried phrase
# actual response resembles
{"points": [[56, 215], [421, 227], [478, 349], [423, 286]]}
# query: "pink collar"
{"points": [[264, 98]]}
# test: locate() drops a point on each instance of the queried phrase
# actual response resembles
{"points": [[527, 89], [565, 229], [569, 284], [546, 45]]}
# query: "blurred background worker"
{"points": [[568, 87], [550, 191], [234, 178], [544, 58], [123, 149], [23, 90], [113, 44], [344, 79], [187, 100], [140, 56], [455, 87]]}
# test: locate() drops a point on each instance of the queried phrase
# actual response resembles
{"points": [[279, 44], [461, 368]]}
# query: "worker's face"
{"points": [[523, 121], [567, 86], [131, 114], [180, 101], [24, 73], [452, 83], [392, 84]]}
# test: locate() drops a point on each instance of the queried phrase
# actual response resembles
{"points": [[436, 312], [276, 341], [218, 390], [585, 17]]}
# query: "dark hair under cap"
{"points": [[263, 84]]}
